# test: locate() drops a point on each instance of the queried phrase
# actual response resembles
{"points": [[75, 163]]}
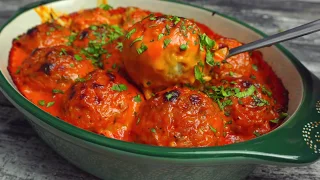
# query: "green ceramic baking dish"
{"points": [[294, 143]]}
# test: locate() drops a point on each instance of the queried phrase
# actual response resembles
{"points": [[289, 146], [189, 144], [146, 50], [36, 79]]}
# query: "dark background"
{"points": [[24, 156]]}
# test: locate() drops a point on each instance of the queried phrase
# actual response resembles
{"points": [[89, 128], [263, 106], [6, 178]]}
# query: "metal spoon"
{"points": [[277, 38]]}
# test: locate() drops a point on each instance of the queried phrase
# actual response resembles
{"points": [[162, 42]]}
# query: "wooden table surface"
{"points": [[23, 155]]}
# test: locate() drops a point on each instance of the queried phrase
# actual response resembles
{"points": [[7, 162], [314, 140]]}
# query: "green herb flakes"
{"points": [[198, 74], [78, 57], [209, 58], [166, 43], [106, 7], [57, 91], [136, 40], [257, 134], [71, 38], [50, 104], [119, 87], [183, 47], [275, 121], [130, 33], [246, 93], [142, 49], [267, 92], [137, 98], [42, 102], [119, 46], [254, 67], [93, 28], [160, 36], [212, 129]]}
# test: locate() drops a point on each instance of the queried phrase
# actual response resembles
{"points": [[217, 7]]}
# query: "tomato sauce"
{"points": [[144, 77]]}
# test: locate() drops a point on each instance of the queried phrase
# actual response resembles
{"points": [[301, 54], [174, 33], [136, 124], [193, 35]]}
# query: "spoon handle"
{"points": [[277, 38]]}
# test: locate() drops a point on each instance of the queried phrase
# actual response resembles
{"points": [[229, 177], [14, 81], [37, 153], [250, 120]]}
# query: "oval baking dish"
{"points": [[295, 142]]}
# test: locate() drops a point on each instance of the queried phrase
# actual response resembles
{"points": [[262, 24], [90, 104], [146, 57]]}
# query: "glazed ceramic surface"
{"points": [[293, 143]]}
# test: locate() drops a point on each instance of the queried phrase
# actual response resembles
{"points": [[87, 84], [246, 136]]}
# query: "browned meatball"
{"points": [[44, 35], [105, 103], [160, 52], [53, 68], [179, 117]]}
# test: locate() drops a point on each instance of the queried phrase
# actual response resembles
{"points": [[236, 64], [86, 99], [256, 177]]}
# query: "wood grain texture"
{"points": [[23, 155]]}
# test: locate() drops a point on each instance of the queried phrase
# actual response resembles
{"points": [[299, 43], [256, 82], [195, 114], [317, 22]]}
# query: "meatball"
{"points": [[98, 16], [250, 106], [105, 104], [53, 68], [179, 117], [160, 52], [44, 35], [236, 66]]}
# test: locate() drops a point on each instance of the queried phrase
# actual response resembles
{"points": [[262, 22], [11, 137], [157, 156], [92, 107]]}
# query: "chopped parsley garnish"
{"points": [[205, 41], [257, 134], [114, 66], [71, 65], [120, 46], [176, 20], [212, 129], [50, 104], [71, 38], [168, 29], [209, 58], [183, 47], [137, 98], [93, 28], [80, 80], [160, 36], [198, 74], [57, 91], [142, 49], [254, 67], [166, 43], [231, 73], [78, 57], [106, 7], [283, 115], [18, 70], [169, 96], [42, 103], [136, 40], [265, 91], [260, 102], [276, 121], [63, 52], [153, 130], [246, 93], [253, 77], [153, 18], [119, 87], [130, 33]]}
